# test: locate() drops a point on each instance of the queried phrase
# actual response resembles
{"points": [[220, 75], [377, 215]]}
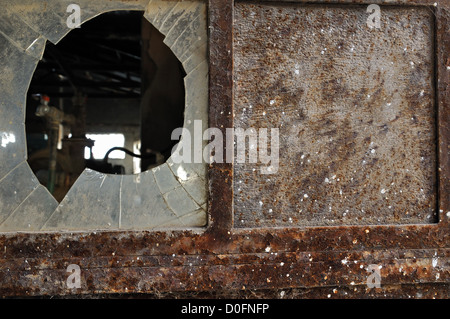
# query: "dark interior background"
{"points": [[114, 75]]}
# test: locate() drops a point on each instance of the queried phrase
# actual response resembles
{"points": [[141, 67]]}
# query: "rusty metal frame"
{"points": [[323, 261]]}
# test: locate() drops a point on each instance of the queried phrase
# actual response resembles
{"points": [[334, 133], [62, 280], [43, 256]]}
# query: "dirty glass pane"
{"points": [[32, 213], [15, 188], [93, 202], [161, 197], [144, 207]]}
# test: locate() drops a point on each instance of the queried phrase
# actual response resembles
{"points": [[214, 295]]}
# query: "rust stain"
{"points": [[117, 262], [355, 108]]}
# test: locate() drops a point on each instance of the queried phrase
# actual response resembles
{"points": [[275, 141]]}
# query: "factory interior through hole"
{"points": [[106, 97]]}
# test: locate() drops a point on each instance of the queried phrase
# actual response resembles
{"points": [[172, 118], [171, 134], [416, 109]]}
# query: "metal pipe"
{"points": [[53, 143]]}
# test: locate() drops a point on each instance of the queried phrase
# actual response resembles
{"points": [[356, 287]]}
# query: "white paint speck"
{"points": [[383, 191], [434, 262], [7, 138], [272, 102], [182, 174]]}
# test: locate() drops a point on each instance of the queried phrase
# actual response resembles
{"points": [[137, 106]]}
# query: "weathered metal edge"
{"points": [[435, 3], [268, 270], [443, 110], [220, 112]]}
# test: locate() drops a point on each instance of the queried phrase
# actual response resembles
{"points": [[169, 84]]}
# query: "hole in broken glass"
{"points": [[103, 79]]}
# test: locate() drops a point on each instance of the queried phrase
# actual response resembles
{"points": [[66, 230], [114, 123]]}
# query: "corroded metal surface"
{"points": [[355, 109], [189, 261], [443, 97], [220, 175]]}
